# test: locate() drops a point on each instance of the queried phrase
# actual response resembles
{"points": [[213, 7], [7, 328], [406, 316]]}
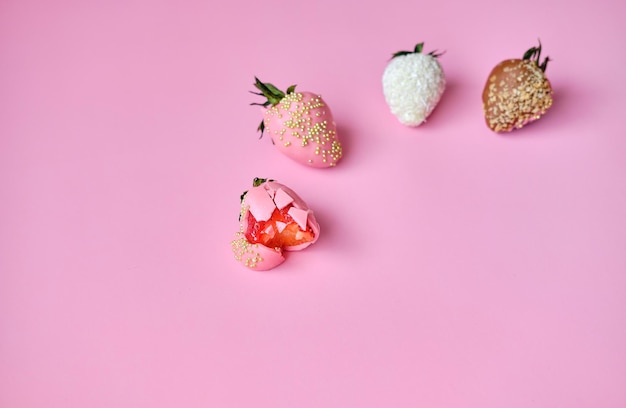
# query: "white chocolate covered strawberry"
{"points": [[273, 219], [300, 124], [413, 83]]}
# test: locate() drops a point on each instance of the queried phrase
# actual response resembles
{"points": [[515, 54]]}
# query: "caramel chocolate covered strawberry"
{"points": [[273, 219], [517, 92], [300, 124]]}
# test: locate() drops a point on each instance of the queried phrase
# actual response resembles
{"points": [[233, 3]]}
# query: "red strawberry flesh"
{"points": [[280, 231]]}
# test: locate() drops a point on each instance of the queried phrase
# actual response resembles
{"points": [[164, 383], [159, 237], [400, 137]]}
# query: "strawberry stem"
{"points": [[258, 181], [417, 50], [269, 91], [534, 54], [272, 94]]}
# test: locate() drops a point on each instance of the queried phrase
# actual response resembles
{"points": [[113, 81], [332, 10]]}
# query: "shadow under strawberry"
{"points": [[572, 106], [346, 134]]}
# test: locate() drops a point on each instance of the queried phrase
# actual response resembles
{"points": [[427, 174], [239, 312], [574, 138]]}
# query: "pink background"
{"points": [[456, 267]]}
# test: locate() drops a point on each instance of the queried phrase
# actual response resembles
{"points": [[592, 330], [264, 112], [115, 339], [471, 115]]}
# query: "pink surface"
{"points": [[456, 267]]}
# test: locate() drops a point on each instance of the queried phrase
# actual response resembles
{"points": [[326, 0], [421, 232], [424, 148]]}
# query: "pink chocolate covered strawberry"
{"points": [[300, 124], [273, 218]]}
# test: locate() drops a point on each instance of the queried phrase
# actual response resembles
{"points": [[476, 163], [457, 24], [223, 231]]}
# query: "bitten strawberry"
{"points": [[517, 92], [300, 124], [413, 83], [273, 218]]}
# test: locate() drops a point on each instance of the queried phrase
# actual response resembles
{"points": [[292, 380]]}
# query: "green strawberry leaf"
{"points": [[241, 197], [528, 55], [534, 54], [544, 64], [258, 181], [400, 53], [436, 54], [261, 128], [272, 94], [417, 50]]}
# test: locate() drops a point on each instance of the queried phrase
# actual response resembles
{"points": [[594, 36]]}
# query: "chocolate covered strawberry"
{"points": [[300, 124], [273, 218], [413, 83], [517, 92]]}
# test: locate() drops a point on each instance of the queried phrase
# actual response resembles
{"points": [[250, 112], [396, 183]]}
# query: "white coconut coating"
{"points": [[413, 85]]}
